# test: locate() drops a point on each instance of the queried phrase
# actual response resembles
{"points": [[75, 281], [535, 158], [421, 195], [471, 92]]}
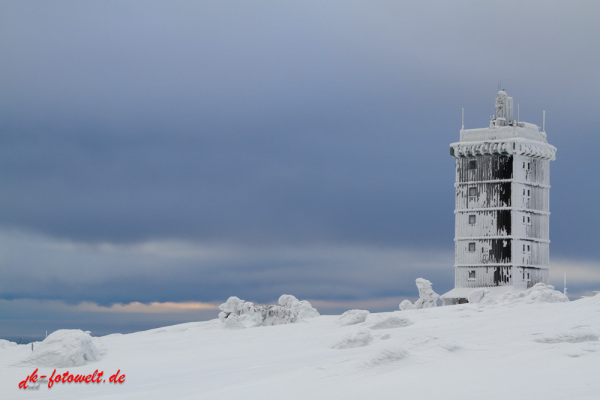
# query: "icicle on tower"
{"points": [[502, 205]]}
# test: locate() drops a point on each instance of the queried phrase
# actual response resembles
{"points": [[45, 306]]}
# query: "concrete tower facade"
{"points": [[502, 205]]}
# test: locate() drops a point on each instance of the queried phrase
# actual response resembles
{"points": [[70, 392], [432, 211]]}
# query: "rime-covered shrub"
{"points": [[352, 317], [427, 297], [237, 313], [406, 305]]}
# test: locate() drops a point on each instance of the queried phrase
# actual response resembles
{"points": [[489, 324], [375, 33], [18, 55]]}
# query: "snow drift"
{"points": [[63, 349], [237, 313], [352, 317], [539, 293], [5, 343]]}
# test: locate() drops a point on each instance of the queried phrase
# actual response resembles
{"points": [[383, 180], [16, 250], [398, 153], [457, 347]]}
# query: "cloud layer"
{"points": [[185, 152]]}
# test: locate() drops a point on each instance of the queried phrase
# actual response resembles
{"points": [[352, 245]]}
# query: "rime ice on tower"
{"points": [[502, 205]]}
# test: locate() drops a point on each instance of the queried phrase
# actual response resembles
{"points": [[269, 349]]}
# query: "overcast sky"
{"points": [[176, 153]]}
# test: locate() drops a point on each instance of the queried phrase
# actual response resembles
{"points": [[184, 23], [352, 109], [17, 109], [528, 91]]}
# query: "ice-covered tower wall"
{"points": [[502, 202]]}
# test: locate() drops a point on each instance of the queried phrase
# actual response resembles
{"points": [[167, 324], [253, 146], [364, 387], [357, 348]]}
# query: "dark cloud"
{"points": [[266, 125]]}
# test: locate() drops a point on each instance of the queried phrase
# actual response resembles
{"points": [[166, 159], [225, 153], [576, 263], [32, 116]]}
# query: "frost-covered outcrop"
{"points": [[65, 348], [352, 317], [427, 297], [237, 313]]}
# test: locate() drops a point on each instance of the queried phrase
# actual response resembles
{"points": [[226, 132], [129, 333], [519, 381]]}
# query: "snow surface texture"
{"points": [[427, 297], [5, 343], [352, 317], [539, 293], [63, 349], [522, 349], [236, 313]]}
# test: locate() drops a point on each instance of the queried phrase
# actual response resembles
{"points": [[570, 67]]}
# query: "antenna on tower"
{"points": [[518, 113], [462, 126], [544, 121], [565, 285]]}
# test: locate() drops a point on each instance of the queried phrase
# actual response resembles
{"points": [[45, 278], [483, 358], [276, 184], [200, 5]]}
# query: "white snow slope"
{"points": [[514, 350]]}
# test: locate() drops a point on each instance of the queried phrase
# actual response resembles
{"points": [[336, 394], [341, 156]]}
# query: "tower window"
{"points": [[473, 191], [472, 219], [472, 246], [472, 164], [471, 274]]}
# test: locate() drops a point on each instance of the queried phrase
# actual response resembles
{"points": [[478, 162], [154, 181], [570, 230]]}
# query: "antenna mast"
{"points": [[462, 126], [544, 121], [565, 290]]}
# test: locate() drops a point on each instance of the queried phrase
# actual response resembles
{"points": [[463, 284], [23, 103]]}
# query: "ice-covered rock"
{"points": [[64, 348], [352, 317], [427, 297], [237, 313]]}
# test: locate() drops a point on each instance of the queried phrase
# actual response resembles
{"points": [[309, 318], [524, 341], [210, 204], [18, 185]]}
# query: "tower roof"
{"points": [[504, 135]]}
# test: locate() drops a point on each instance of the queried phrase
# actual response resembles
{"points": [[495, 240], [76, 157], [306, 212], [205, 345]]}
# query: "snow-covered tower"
{"points": [[502, 205]]}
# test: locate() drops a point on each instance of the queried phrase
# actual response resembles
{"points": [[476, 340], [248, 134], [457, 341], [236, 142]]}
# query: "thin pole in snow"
{"points": [[565, 290]]}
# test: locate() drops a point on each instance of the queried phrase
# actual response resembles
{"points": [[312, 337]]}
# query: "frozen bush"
{"points": [[236, 313], [427, 297], [406, 305]]}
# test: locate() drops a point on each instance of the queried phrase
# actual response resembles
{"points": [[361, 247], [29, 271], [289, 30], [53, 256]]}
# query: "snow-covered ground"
{"points": [[523, 348]]}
